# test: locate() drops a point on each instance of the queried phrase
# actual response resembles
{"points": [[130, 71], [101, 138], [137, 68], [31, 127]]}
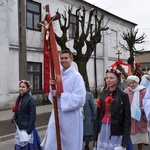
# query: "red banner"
{"points": [[52, 66], [46, 65], [54, 51], [51, 60], [124, 65]]}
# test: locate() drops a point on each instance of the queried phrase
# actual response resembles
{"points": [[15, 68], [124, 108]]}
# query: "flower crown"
{"points": [[29, 85], [116, 71]]}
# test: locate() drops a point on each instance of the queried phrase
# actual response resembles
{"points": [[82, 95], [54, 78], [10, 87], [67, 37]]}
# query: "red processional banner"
{"points": [[46, 65], [51, 59], [125, 66], [52, 66]]}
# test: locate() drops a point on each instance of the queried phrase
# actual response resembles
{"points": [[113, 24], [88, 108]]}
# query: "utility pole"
{"points": [[95, 68], [22, 39]]}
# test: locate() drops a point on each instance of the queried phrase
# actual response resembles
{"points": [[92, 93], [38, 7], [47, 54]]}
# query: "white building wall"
{"points": [[4, 56], [13, 59], [9, 58]]}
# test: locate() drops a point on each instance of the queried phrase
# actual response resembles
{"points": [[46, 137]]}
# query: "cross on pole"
{"points": [[47, 21], [118, 53], [56, 17], [52, 65]]}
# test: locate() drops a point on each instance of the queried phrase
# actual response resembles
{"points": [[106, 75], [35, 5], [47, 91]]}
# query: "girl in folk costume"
{"points": [[26, 137], [136, 92], [113, 121]]}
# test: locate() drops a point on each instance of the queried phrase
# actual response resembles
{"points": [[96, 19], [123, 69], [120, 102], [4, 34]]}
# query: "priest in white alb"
{"points": [[70, 103]]}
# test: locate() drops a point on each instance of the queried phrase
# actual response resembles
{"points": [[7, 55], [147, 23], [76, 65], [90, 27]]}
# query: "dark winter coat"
{"points": [[120, 115], [89, 114], [25, 118]]}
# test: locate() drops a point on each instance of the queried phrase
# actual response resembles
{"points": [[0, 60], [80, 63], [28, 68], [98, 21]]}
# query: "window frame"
{"points": [[73, 29], [40, 90], [33, 13]]}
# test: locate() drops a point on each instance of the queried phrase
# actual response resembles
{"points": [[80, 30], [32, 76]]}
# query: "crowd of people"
{"points": [[118, 119]]}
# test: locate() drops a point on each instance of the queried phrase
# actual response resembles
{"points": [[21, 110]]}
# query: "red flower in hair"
{"points": [[14, 108], [98, 103]]}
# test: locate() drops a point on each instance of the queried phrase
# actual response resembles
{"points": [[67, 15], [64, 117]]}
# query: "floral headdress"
{"points": [[114, 70], [29, 85]]}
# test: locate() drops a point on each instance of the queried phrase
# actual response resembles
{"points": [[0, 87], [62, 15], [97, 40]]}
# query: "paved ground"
{"points": [[8, 144], [7, 128]]}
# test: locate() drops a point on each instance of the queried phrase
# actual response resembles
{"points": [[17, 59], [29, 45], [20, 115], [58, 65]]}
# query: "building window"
{"points": [[33, 15], [114, 39], [34, 74], [72, 27]]}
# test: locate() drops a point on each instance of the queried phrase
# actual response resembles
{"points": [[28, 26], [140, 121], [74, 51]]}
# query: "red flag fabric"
{"points": [[126, 66], [52, 66], [54, 50], [46, 65], [51, 60], [137, 64]]}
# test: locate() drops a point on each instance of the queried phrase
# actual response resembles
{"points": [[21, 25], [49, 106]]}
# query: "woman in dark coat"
{"points": [[89, 117], [113, 120], [24, 118]]}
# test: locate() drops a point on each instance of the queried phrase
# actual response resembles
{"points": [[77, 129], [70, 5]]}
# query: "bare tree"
{"points": [[132, 39], [85, 35]]}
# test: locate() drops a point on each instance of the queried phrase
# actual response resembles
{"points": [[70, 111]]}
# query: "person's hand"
{"points": [[52, 82], [142, 109], [54, 93]]}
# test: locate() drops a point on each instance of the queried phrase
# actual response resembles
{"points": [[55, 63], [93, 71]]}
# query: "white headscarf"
{"points": [[133, 78], [135, 105]]}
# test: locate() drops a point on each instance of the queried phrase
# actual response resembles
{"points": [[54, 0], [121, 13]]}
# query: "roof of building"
{"points": [[134, 24], [142, 52]]}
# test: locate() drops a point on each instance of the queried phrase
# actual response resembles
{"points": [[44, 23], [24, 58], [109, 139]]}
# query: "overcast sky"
{"points": [[137, 11]]}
